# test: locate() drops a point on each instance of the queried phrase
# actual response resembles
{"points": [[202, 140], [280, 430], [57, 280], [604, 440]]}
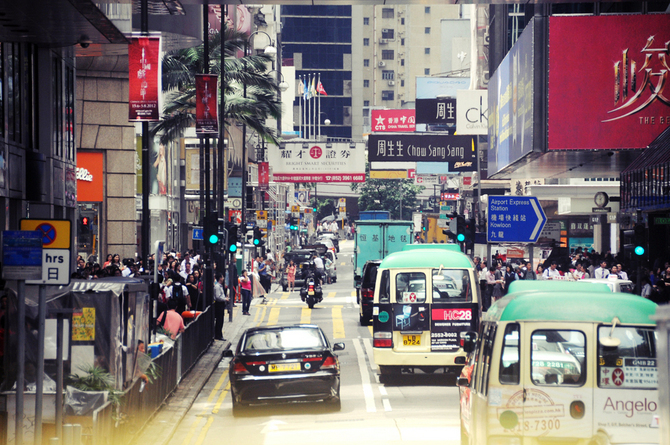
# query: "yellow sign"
{"points": [[307, 210], [55, 232], [388, 174], [261, 214], [343, 210], [295, 209], [83, 325]]}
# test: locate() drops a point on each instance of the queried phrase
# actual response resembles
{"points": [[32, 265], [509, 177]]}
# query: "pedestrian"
{"points": [[529, 273], [245, 286], [290, 276], [171, 321], [510, 276], [220, 300], [192, 296], [263, 274], [327, 266], [622, 274], [601, 272], [552, 272], [318, 265], [498, 286], [483, 271]]}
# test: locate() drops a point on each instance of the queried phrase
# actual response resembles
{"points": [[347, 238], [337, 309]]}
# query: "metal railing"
{"points": [[110, 427]]}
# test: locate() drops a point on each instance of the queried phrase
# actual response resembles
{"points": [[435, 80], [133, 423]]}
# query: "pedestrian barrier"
{"points": [[112, 426]]}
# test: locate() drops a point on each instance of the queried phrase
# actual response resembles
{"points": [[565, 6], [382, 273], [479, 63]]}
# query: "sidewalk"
{"points": [[160, 429]]}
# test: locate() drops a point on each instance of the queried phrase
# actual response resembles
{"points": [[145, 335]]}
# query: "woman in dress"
{"points": [[108, 261], [245, 285], [290, 276]]}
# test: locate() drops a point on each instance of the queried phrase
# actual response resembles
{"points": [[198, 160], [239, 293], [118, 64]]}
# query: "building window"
{"points": [[366, 103], [402, 42], [426, 71], [387, 95], [366, 20], [387, 54], [388, 74], [366, 83], [388, 34], [366, 42], [402, 83], [388, 13], [366, 62], [426, 50], [427, 10], [402, 62], [402, 21], [426, 30], [366, 111]]}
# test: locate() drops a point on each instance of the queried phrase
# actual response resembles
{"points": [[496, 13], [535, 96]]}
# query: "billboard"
{"points": [[433, 87], [144, 72], [608, 81], [511, 103], [436, 111], [393, 120], [206, 86], [472, 112], [318, 162], [458, 152]]}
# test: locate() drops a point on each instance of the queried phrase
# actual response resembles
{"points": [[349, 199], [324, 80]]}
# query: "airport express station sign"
{"points": [[514, 219]]}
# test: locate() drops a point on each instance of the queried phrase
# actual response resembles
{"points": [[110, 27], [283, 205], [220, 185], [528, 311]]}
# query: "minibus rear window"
{"points": [[410, 287], [451, 285], [632, 363], [555, 358], [509, 359]]}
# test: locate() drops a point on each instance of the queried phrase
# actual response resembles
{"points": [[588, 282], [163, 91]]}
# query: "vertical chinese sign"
{"points": [[206, 103], [144, 75], [263, 175]]}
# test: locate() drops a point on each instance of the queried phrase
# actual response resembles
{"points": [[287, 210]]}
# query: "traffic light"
{"points": [[460, 229], [85, 223], [211, 233], [469, 231], [258, 237], [293, 224], [635, 242], [232, 237]]}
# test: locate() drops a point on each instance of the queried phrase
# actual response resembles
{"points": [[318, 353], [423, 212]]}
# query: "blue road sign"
{"points": [[197, 234], [514, 219]]}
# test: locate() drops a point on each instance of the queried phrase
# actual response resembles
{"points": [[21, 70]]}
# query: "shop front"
{"points": [[90, 192]]}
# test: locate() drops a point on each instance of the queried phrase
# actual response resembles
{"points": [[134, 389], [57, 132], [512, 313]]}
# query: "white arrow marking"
{"points": [[271, 425], [540, 219]]}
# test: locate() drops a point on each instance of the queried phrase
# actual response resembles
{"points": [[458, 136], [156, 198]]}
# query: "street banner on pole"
{"points": [[143, 79], [206, 86]]}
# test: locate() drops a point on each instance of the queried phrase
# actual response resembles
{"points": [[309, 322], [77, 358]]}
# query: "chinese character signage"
{"points": [[457, 151], [393, 120], [608, 81], [436, 111], [263, 175], [318, 162], [206, 103], [144, 75]]}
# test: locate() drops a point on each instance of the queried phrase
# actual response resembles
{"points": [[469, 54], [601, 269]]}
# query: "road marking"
{"points": [[273, 318], [221, 397], [370, 329], [258, 319], [353, 293], [203, 433], [343, 263], [365, 378], [306, 315], [285, 295], [387, 405], [338, 323], [331, 294], [367, 344]]}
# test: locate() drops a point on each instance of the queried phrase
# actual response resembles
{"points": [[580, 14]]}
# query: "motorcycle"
{"points": [[311, 291]]}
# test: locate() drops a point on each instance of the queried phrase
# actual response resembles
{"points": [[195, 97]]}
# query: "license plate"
{"points": [[283, 367], [310, 292], [411, 340]]}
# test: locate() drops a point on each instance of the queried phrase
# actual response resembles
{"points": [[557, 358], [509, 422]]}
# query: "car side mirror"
{"points": [[228, 353], [338, 346], [463, 382], [357, 278], [468, 341]]}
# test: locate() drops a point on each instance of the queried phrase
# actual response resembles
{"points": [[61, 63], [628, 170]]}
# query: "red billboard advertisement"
{"points": [[393, 120], [144, 73], [263, 175], [206, 103], [608, 81]]}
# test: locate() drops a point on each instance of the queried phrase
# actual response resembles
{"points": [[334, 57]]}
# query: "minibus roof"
{"points": [[426, 258], [599, 307], [451, 247], [557, 285]]}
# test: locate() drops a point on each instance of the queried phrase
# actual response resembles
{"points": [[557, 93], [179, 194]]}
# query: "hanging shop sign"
{"points": [[318, 162], [393, 120], [89, 177], [206, 86]]}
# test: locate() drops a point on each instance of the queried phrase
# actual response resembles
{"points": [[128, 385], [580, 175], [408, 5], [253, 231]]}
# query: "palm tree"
{"points": [[250, 73]]}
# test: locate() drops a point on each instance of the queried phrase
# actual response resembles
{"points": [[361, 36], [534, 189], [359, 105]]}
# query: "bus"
{"points": [[418, 329], [574, 367]]}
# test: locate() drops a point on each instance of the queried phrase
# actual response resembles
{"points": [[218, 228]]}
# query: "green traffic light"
{"points": [[639, 250], [256, 241], [233, 247], [213, 239], [460, 237]]}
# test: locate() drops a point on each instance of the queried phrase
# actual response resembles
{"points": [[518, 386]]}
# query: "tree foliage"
{"points": [[387, 194]]}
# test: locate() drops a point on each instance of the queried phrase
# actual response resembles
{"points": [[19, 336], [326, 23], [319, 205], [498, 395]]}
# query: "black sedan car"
{"points": [[284, 364]]}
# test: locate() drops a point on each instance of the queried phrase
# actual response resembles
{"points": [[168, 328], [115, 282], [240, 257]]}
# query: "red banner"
{"points": [[608, 81], [263, 175], [144, 73], [206, 103], [393, 120], [301, 177]]}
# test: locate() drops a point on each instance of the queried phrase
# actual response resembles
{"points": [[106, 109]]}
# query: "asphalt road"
{"points": [[410, 409]]}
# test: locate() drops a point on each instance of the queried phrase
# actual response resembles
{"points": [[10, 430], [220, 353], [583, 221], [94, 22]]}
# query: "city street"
{"points": [[412, 409]]}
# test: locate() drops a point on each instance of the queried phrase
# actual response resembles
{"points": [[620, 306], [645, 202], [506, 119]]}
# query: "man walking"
{"points": [[601, 272], [220, 300]]}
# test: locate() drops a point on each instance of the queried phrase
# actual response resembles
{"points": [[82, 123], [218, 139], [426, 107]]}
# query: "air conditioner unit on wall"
{"points": [[391, 82], [382, 63]]}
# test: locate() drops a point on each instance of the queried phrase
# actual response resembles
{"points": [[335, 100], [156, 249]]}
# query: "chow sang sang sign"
{"points": [[458, 151], [318, 162]]}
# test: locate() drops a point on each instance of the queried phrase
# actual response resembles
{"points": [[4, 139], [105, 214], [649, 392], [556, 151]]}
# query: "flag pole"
{"points": [[319, 111], [309, 111], [300, 104]]}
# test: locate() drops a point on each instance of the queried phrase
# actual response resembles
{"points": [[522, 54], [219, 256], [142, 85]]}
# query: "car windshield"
{"points": [[452, 285], [302, 257], [284, 339]]}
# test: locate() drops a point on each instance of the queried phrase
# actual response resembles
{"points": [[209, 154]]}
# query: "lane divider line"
{"points": [[306, 315], [338, 323], [331, 294], [365, 378], [273, 318]]}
